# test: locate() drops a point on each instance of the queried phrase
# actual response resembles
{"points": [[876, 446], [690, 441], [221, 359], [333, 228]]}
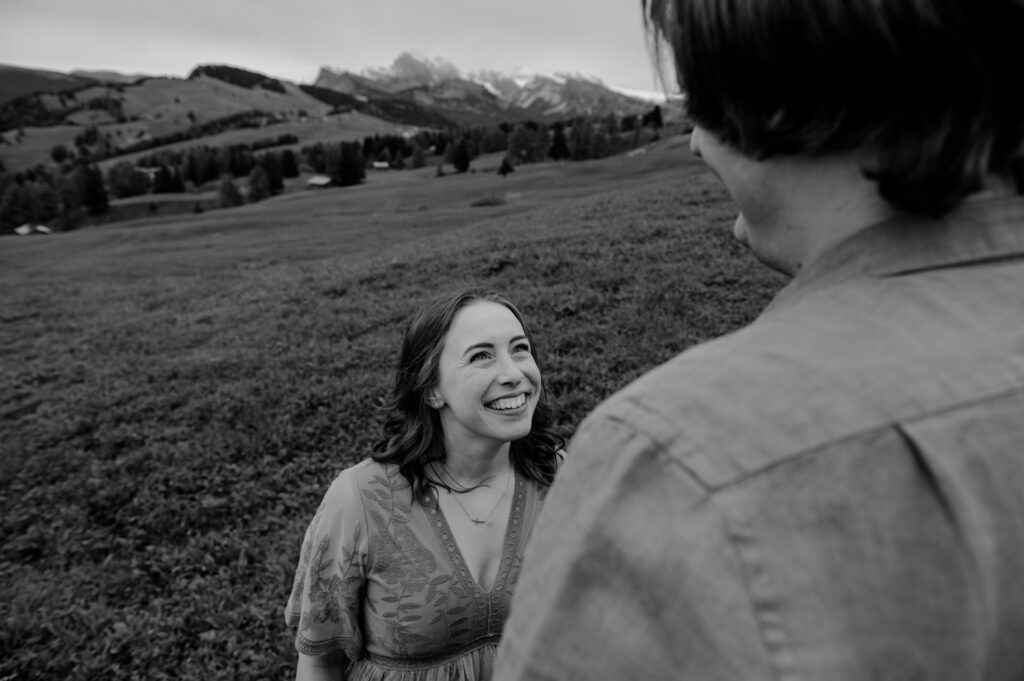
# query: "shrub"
{"points": [[489, 200]]}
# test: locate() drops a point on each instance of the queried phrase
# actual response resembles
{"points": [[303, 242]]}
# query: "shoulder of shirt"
{"points": [[750, 400], [348, 486]]}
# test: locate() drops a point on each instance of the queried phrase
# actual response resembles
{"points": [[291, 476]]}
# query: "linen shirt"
{"points": [[834, 492]]}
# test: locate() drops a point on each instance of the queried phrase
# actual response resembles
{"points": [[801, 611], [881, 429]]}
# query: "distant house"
{"points": [[319, 182], [26, 229], [381, 165]]}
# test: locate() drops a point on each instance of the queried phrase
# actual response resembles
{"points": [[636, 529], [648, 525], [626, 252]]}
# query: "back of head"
{"points": [[931, 90]]}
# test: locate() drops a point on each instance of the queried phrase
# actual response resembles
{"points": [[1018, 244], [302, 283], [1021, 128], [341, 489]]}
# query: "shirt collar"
{"points": [[982, 229]]}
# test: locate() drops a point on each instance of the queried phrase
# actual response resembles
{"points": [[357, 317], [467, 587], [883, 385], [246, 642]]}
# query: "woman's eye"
{"points": [[477, 356], [521, 347]]}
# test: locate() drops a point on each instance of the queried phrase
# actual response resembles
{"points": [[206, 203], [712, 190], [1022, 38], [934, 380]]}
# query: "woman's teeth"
{"points": [[508, 403]]}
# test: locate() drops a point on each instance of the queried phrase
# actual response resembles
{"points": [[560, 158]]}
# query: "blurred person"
{"points": [[837, 490], [407, 569]]}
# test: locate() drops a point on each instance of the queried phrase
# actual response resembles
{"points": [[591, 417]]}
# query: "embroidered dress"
{"points": [[383, 580]]}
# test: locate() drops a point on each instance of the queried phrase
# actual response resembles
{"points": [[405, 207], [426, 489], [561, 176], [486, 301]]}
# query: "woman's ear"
{"points": [[434, 399]]}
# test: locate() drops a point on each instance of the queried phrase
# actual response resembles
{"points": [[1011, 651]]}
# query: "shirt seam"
{"points": [[896, 424], [802, 453], [366, 524], [728, 535]]}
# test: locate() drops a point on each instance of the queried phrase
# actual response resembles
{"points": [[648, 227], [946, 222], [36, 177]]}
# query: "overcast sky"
{"points": [[292, 39]]}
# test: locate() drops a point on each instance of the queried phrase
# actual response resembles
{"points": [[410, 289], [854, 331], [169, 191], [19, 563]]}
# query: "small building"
{"points": [[381, 165], [319, 182], [26, 229]]}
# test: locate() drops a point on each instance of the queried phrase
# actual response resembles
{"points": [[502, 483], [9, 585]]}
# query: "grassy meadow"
{"points": [[179, 391]]}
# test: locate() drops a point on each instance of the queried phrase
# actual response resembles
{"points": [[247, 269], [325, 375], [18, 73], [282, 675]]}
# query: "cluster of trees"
{"points": [[239, 77], [578, 139], [91, 145], [61, 196], [343, 162], [74, 187], [38, 109], [183, 170], [243, 119]]}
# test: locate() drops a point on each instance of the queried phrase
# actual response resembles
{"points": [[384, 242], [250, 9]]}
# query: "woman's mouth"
{"points": [[507, 403]]}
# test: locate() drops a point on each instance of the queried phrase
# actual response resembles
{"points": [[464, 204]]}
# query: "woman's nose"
{"points": [[509, 371]]}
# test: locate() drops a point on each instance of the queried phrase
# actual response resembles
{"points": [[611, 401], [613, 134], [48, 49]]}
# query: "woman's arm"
{"points": [[329, 667]]}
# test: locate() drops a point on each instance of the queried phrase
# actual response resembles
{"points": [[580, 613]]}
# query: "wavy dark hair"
{"points": [[413, 437], [931, 88]]}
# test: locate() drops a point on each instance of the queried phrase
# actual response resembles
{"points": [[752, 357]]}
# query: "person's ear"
{"points": [[434, 399]]}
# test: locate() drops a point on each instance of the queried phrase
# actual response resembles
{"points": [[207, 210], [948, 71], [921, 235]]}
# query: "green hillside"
{"points": [[177, 393], [17, 81]]}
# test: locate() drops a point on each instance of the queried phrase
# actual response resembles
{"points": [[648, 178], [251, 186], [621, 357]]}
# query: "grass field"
{"points": [[178, 392]]}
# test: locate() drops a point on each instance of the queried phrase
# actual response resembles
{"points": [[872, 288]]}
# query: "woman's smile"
{"points": [[508, 404]]}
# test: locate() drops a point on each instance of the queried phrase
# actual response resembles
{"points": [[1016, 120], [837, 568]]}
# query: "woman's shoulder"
{"points": [[366, 477]]}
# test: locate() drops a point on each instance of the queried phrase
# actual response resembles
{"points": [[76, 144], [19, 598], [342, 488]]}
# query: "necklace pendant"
{"points": [[478, 522]]}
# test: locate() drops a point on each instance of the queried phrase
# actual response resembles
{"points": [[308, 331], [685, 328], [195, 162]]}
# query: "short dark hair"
{"points": [[932, 88], [413, 437]]}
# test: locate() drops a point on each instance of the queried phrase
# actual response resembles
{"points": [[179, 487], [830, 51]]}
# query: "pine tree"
{"points": [[16, 207], [559, 145], [162, 180], [45, 201], [579, 139], [93, 193], [270, 163], [259, 184], [419, 158], [69, 211], [350, 167], [228, 195], [289, 164], [599, 144], [460, 158], [506, 167], [124, 180]]}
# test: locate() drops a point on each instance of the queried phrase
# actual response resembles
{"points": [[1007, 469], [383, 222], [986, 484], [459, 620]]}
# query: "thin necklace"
{"points": [[477, 521]]}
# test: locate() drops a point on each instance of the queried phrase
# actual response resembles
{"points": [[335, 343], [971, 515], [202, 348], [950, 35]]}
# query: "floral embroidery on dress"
{"points": [[331, 594], [381, 578]]}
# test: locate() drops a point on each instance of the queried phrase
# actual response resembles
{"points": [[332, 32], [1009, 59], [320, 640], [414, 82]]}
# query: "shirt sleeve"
{"points": [[630, 573], [329, 585]]}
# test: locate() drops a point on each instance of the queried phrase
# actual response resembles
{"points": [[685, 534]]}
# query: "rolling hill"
{"points": [[179, 392], [19, 81]]}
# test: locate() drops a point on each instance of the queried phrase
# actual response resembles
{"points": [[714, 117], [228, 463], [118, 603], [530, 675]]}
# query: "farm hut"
{"points": [[381, 165], [26, 229], [319, 182]]}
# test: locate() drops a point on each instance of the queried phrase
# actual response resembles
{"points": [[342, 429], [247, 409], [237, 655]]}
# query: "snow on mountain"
{"points": [[438, 82]]}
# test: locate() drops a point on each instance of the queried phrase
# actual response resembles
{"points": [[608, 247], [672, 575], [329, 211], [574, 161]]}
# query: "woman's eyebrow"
{"points": [[478, 346], [490, 346]]}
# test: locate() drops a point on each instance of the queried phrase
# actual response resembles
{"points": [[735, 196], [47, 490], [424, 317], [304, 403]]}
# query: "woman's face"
{"points": [[488, 382]]}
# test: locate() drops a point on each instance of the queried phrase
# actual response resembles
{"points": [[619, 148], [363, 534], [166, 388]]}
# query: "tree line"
{"points": [[65, 194]]}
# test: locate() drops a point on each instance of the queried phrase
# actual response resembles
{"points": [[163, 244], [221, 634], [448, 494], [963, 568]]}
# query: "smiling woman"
{"points": [[409, 564]]}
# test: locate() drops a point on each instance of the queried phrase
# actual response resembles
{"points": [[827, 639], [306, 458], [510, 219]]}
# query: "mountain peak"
{"points": [[411, 68], [437, 82]]}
